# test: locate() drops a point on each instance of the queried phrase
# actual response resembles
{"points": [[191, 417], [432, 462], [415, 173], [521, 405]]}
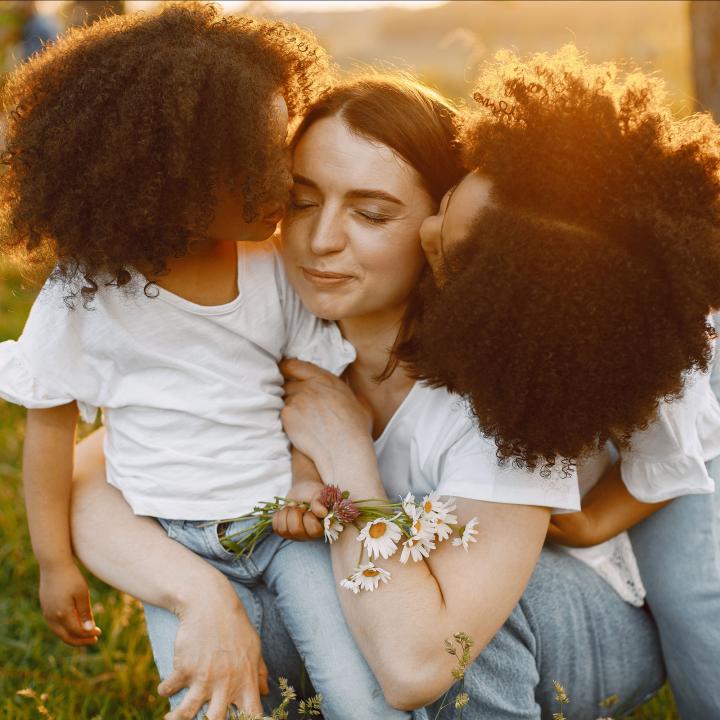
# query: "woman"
{"points": [[365, 181]]}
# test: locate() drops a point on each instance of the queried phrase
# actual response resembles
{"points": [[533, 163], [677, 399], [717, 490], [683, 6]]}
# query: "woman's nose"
{"points": [[328, 235]]}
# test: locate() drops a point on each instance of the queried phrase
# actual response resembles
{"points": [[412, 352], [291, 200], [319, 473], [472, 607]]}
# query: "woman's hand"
{"points": [[217, 658], [322, 417]]}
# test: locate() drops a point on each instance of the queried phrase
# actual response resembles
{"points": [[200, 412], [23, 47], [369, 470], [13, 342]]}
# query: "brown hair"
{"points": [[580, 299], [414, 121], [398, 111], [119, 134]]}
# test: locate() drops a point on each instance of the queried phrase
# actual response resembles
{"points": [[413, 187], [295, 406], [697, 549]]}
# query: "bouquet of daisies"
{"points": [[414, 528]]}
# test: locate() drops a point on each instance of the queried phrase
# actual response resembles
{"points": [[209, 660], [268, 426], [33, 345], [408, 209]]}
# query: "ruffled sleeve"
{"points": [[19, 385], [47, 366], [668, 459]]}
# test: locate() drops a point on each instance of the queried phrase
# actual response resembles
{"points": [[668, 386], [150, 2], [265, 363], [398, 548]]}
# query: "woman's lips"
{"points": [[322, 278]]}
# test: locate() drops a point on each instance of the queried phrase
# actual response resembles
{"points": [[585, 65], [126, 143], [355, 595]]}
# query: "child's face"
{"points": [[454, 218], [228, 223]]}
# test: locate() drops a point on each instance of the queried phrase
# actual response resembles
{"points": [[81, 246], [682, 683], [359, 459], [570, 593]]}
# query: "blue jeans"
{"points": [[677, 552], [288, 590], [572, 627]]}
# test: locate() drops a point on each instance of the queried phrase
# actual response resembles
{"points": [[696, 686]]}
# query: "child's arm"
{"points": [[47, 480], [607, 510], [297, 523]]}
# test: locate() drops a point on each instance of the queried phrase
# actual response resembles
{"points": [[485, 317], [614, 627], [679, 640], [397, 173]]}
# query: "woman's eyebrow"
{"points": [[302, 180], [374, 195], [360, 193]]}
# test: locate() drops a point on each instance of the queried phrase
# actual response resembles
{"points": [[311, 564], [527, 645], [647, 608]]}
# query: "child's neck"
{"points": [[207, 275]]}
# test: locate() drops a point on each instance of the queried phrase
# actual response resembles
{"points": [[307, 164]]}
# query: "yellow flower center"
{"points": [[378, 530], [427, 507], [370, 572], [417, 525]]}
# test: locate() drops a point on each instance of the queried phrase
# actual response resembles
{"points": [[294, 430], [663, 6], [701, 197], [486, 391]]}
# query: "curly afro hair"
{"points": [[119, 135], [580, 298]]}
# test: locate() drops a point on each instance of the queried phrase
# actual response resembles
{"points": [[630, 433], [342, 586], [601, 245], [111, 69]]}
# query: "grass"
{"points": [[116, 679]]}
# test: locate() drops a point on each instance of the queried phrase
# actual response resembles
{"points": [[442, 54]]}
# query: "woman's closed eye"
{"points": [[297, 203], [373, 217]]}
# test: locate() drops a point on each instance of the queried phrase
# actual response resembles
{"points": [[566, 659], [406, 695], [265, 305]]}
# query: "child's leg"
{"points": [[300, 575], [278, 651], [678, 555]]}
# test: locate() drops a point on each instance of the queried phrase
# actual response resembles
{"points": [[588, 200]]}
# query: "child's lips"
{"points": [[274, 218]]}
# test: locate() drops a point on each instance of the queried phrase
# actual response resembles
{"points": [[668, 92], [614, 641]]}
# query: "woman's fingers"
{"points": [[248, 699], [189, 707], [218, 707], [300, 370], [173, 683]]}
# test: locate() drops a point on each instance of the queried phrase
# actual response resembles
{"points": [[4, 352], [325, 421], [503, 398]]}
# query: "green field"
{"points": [[116, 679]]}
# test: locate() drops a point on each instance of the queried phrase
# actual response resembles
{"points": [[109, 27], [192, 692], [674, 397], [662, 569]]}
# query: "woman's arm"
{"points": [[401, 629], [607, 510], [217, 649]]}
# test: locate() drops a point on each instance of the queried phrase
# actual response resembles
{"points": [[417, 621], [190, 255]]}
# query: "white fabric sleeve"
{"points": [[46, 367], [667, 459], [308, 337], [469, 469]]}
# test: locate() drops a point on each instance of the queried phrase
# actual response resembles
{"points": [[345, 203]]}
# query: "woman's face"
{"points": [[350, 239], [458, 210]]}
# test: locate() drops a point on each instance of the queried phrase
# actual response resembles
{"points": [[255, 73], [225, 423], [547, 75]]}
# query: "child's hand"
{"points": [[302, 523], [572, 529], [65, 601]]}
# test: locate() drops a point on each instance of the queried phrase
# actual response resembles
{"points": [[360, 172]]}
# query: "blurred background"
{"points": [[443, 43]]}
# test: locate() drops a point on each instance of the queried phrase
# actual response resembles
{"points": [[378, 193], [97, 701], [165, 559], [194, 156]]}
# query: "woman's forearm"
{"points": [[401, 628], [129, 552]]}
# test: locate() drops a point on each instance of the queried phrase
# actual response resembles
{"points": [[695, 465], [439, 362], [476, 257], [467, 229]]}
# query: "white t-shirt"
{"points": [[432, 443], [669, 458], [191, 395]]}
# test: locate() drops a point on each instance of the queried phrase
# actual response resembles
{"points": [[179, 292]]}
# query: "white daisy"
{"points": [[351, 583], [369, 576], [380, 537], [423, 526], [467, 534], [333, 527], [409, 506], [443, 529], [417, 547], [434, 506]]}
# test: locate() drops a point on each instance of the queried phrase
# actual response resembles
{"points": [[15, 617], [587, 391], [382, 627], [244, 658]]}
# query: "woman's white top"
{"points": [[432, 443], [191, 395]]}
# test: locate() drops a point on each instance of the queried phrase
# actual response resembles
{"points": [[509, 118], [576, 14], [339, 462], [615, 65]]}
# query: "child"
{"points": [[146, 157], [578, 265]]}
